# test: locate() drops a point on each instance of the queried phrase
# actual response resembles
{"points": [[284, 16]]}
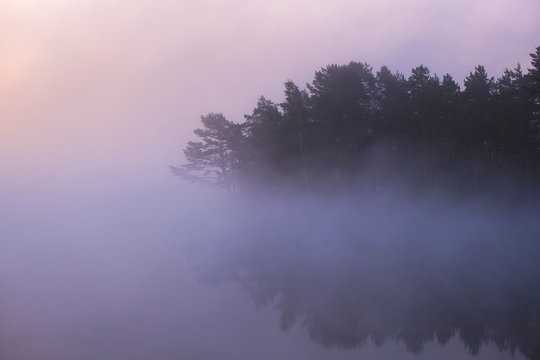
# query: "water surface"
{"points": [[113, 273]]}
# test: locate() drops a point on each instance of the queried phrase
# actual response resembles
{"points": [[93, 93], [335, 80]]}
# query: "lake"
{"points": [[158, 273]]}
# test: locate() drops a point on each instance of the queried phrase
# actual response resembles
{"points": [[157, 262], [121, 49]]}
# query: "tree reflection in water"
{"points": [[351, 282]]}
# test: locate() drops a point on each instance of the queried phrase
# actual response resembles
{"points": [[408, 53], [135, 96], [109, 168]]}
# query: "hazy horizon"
{"points": [[90, 88]]}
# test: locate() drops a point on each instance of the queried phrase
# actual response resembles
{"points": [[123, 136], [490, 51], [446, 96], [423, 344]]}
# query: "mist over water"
{"points": [[358, 271], [172, 271]]}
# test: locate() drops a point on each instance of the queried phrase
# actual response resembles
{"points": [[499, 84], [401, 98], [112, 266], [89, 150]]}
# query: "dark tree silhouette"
{"points": [[356, 129], [263, 150], [479, 128], [214, 160], [342, 99], [296, 115]]}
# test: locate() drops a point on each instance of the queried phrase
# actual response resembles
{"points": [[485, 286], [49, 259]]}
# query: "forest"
{"points": [[353, 128]]}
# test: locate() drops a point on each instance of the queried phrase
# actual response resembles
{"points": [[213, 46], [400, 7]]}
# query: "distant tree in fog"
{"points": [[263, 146], [477, 96], [342, 97], [214, 160], [296, 116], [354, 128], [533, 76]]}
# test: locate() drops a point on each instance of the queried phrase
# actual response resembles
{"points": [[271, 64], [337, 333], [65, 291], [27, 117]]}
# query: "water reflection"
{"points": [[349, 283], [108, 278]]}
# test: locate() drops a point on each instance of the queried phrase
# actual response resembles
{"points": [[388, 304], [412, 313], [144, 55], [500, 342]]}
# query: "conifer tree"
{"points": [[214, 160]]}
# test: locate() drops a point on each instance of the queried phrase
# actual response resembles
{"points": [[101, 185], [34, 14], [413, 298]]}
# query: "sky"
{"points": [[111, 90]]}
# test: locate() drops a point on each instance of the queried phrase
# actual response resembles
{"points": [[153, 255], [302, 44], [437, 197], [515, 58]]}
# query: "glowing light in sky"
{"points": [[116, 80]]}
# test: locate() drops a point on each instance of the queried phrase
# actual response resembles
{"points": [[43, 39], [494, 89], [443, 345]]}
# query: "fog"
{"points": [[183, 272], [104, 254], [94, 87]]}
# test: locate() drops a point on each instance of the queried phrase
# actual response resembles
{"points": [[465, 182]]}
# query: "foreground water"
{"points": [[116, 273]]}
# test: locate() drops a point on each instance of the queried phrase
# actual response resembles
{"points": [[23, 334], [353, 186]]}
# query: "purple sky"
{"points": [[88, 87]]}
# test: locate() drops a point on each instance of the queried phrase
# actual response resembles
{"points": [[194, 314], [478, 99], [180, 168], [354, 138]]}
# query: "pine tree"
{"points": [[296, 118], [478, 113], [263, 148], [214, 160]]}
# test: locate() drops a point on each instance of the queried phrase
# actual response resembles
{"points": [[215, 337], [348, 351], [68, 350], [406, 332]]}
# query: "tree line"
{"points": [[352, 127]]}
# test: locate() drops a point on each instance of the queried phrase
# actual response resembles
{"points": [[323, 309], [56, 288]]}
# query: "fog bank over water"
{"points": [[115, 272], [364, 271]]}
